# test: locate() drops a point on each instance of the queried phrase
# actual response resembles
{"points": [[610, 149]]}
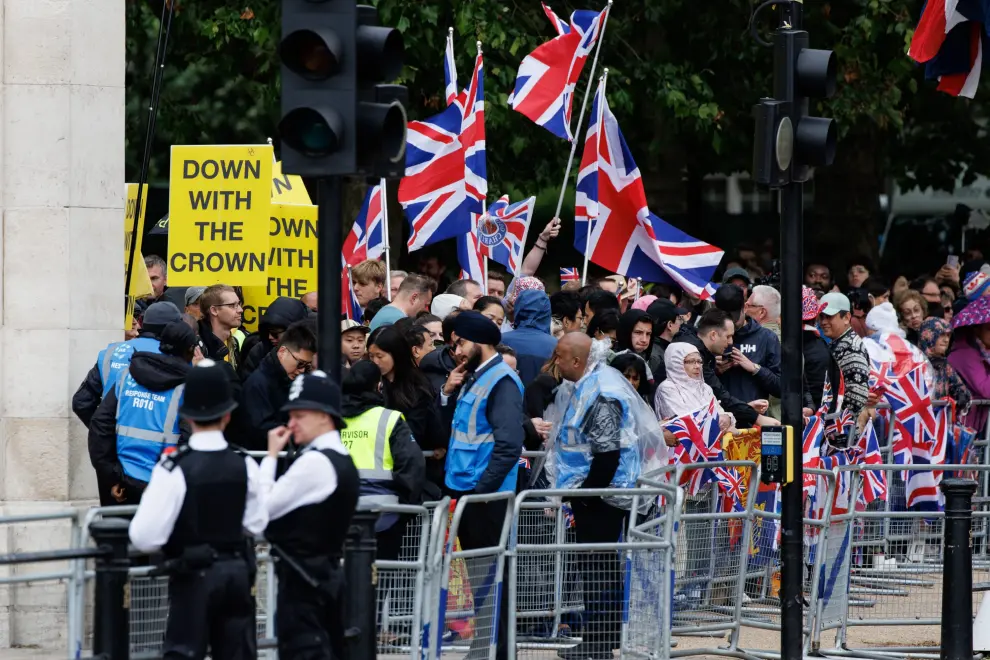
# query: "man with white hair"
{"points": [[763, 306]]}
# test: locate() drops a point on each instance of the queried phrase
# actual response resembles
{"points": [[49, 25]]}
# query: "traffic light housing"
{"points": [[339, 117], [790, 142]]}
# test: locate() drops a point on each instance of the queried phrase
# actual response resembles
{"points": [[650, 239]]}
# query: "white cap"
{"points": [[833, 303], [444, 304]]}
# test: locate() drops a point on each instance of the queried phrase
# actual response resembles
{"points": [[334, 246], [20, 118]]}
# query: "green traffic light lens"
{"points": [[312, 55], [311, 132]]}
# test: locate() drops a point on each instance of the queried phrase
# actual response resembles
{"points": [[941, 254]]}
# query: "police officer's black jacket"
{"points": [[316, 531], [87, 398], [409, 466], [262, 396], [158, 373], [213, 508], [744, 413]]}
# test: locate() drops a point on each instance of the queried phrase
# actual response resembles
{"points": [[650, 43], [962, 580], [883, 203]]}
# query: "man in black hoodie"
{"points": [[267, 389], [138, 419], [282, 313], [666, 324]]}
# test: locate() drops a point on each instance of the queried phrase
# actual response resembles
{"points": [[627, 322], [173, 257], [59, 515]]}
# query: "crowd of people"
{"points": [[447, 381]]}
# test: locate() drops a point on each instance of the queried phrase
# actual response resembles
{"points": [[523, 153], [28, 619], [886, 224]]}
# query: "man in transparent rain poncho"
{"points": [[606, 436]]}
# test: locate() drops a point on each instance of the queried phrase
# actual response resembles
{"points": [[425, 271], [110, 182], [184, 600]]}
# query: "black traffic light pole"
{"points": [[791, 277], [329, 273], [788, 144]]}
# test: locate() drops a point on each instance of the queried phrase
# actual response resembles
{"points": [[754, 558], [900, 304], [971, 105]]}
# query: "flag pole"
{"points": [[522, 247], [484, 258], [584, 105], [388, 249], [272, 145], [598, 145]]}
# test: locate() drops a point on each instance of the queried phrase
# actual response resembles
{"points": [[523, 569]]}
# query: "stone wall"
{"points": [[62, 196]]}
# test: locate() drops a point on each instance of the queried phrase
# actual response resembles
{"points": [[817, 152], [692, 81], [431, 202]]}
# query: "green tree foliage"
{"points": [[683, 77]]}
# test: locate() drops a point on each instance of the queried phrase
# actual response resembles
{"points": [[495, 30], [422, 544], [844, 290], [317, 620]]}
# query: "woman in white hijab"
{"points": [[685, 391]]}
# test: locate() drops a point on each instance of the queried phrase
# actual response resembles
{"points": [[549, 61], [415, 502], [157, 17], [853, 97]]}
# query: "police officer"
{"points": [[389, 462], [113, 359], [310, 509], [200, 503], [139, 418]]}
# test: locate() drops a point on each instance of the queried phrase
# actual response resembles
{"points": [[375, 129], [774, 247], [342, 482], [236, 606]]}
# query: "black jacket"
{"points": [[657, 365], [158, 373], [817, 362], [762, 347], [282, 313], [437, 366], [263, 394], [408, 466], [426, 424], [214, 348], [745, 415], [87, 398]]}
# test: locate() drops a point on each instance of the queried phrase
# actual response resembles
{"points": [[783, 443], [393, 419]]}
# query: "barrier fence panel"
{"points": [[469, 614], [401, 579], [892, 567], [573, 565]]}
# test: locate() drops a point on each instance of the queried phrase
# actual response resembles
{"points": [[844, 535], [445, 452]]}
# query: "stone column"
{"points": [[62, 195]]}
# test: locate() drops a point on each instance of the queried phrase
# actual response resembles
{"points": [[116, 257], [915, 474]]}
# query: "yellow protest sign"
{"points": [[291, 260], [219, 198], [140, 281], [288, 188]]}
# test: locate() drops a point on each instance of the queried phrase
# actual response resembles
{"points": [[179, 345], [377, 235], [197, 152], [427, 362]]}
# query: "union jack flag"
{"points": [[916, 440], [625, 237], [433, 192], [502, 231], [349, 305], [547, 77], [868, 453], [569, 275], [730, 485], [470, 259], [367, 237], [699, 436], [881, 375], [949, 40], [812, 452]]}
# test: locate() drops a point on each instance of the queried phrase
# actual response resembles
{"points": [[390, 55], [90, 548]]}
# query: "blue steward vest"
{"points": [[116, 357], [147, 423], [471, 439]]}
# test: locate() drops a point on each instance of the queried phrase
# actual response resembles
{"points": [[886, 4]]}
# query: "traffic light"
{"points": [[338, 116], [790, 142]]}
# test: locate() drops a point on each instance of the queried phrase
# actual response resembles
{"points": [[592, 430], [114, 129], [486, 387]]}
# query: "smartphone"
{"points": [[952, 261]]}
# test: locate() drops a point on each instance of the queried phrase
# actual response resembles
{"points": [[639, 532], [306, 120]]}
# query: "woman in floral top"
{"points": [[933, 339]]}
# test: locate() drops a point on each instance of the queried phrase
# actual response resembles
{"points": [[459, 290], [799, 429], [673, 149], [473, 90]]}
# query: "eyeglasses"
{"points": [[305, 365], [695, 361], [232, 305]]}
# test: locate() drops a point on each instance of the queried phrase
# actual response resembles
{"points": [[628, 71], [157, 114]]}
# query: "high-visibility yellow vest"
{"points": [[366, 438]]}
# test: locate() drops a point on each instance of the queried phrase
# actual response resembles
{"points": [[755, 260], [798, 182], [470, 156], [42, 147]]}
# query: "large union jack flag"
{"points": [[367, 237], [625, 237], [446, 172], [547, 77], [501, 232], [950, 41]]}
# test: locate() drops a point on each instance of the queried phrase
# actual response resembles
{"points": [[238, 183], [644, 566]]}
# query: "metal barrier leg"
{"points": [[957, 574], [112, 590]]}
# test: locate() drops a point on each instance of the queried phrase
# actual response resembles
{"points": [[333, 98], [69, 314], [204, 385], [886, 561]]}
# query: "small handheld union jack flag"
{"points": [[569, 275]]}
